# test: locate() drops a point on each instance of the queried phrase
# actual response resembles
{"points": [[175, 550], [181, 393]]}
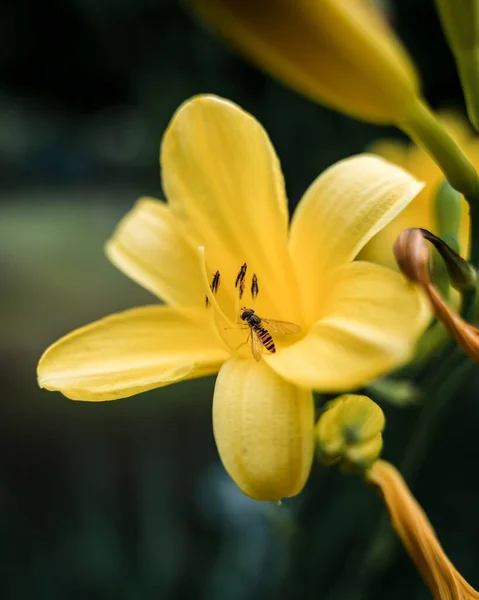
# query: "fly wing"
{"points": [[256, 345], [284, 327]]}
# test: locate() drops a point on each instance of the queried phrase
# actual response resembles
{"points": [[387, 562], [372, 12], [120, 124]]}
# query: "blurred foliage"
{"points": [[127, 499]]}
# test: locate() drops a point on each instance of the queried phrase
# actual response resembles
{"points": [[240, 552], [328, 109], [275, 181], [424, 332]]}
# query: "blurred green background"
{"points": [[128, 500]]}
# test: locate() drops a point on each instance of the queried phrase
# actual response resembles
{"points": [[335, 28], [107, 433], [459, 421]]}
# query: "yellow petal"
{"points": [[340, 212], [149, 247], [224, 184], [131, 352], [264, 429], [371, 326], [337, 52]]}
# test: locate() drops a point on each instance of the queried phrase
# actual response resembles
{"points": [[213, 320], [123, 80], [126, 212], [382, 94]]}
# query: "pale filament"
{"points": [[211, 287]]}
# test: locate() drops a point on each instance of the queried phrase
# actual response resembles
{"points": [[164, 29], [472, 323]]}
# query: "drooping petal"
{"points": [[149, 247], [224, 184], [418, 536], [131, 352], [372, 322], [263, 428], [340, 212]]}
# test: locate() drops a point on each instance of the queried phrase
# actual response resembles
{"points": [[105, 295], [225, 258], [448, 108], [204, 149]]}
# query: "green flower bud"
{"points": [[350, 432]]}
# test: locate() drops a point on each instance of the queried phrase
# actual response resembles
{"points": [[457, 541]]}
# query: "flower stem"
{"points": [[424, 129]]}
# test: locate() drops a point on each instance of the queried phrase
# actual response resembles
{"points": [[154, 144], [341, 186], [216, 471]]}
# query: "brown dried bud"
{"points": [[412, 255]]}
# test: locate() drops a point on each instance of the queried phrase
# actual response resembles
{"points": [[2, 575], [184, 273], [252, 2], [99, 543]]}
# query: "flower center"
{"points": [[250, 334]]}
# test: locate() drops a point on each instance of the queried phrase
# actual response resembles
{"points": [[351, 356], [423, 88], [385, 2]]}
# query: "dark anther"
{"points": [[241, 275], [254, 286], [215, 284]]}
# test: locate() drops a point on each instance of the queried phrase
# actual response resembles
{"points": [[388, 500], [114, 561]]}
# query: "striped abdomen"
{"points": [[265, 338]]}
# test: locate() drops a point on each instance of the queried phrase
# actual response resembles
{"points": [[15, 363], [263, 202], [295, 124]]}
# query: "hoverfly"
{"points": [[260, 336]]}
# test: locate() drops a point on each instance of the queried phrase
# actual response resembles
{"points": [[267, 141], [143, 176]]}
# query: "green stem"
{"points": [[467, 61], [459, 20], [424, 129], [430, 344], [469, 296]]}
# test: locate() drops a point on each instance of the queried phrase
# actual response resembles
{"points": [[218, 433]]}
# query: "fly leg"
{"points": [[243, 343]]}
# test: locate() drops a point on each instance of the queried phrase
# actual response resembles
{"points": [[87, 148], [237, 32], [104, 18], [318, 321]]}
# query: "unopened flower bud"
{"points": [[350, 431], [337, 52], [412, 255], [461, 273], [341, 53]]}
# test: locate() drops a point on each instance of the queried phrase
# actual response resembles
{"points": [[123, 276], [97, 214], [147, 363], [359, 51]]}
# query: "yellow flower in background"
{"points": [[421, 211], [224, 235], [343, 54], [337, 52]]}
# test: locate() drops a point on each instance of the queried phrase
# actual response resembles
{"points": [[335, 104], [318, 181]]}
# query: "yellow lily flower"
{"points": [[224, 232], [420, 212]]}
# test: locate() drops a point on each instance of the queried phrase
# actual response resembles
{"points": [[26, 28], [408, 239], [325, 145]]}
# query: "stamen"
{"points": [[254, 287], [215, 284], [241, 275], [209, 293], [239, 285]]}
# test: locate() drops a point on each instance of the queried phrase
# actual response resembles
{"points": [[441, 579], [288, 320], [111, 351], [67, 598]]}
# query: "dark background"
{"points": [[128, 500]]}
